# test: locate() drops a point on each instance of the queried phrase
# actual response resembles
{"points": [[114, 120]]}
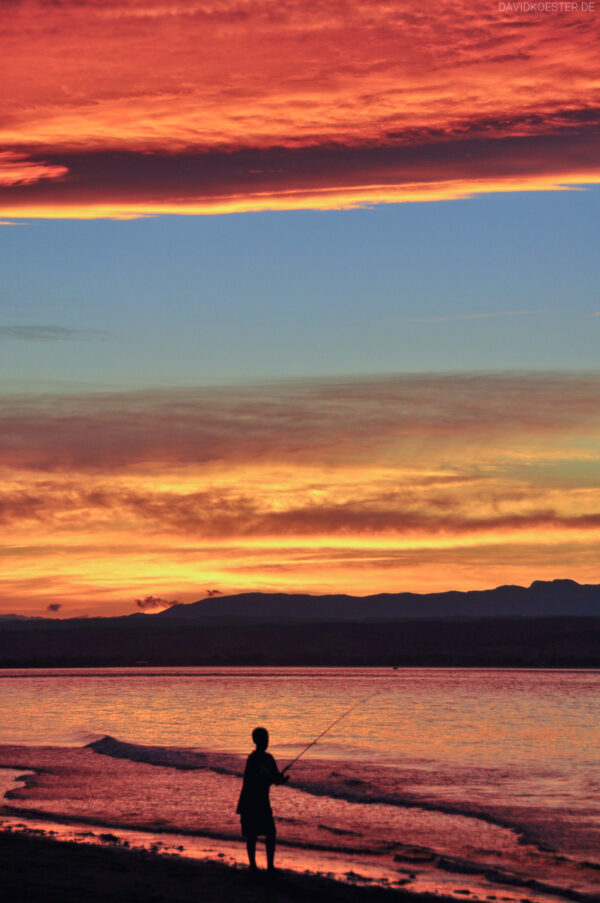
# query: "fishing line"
{"points": [[333, 724]]}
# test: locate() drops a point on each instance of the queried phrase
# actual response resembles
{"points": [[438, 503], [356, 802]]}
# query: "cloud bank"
{"points": [[311, 421], [143, 108], [354, 485]]}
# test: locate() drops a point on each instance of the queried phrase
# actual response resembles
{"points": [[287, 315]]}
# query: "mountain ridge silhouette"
{"points": [[554, 598]]}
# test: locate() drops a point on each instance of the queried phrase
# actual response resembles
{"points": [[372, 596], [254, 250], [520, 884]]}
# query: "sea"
{"points": [[473, 783]]}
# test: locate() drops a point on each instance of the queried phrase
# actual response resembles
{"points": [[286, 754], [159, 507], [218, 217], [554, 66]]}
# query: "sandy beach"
{"points": [[40, 869]]}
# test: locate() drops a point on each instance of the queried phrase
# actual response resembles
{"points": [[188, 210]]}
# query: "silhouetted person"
{"points": [[254, 806]]}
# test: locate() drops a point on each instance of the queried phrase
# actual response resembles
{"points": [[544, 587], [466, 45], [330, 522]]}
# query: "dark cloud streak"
{"points": [[195, 177], [149, 603], [48, 333]]}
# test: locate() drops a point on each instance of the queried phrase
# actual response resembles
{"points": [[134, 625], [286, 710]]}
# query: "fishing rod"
{"points": [[333, 724]]}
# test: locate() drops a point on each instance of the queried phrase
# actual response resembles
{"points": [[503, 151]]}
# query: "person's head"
{"points": [[260, 736]]}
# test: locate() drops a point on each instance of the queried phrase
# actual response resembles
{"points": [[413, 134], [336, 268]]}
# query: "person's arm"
{"points": [[278, 777]]}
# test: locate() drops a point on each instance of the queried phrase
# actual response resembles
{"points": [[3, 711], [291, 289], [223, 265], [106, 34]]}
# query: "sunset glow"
{"points": [[432, 484]]}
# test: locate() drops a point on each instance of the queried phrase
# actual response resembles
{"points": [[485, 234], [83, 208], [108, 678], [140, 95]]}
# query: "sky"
{"points": [[296, 297]]}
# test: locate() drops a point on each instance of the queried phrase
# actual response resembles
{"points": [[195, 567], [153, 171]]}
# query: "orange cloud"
{"points": [[138, 107], [18, 169], [337, 485]]}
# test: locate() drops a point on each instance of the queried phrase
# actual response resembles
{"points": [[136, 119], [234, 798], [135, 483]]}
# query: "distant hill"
{"points": [[555, 598], [554, 624]]}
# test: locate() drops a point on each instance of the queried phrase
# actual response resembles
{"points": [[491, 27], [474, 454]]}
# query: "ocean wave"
{"points": [[169, 756]]}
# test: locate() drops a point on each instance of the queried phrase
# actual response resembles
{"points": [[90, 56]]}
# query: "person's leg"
{"points": [[251, 847], [270, 846]]}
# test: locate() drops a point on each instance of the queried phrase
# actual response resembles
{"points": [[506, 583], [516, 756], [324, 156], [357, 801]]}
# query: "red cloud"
{"points": [[144, 107], [18, 169]]}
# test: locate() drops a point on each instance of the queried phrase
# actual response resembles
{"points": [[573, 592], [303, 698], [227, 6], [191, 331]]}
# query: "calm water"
{"points": [[469, 717], [498, 770]]}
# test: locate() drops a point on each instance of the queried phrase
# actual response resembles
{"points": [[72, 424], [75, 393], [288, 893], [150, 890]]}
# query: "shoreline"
{"points": [[435, 876], [339, 866], [44, 870]]}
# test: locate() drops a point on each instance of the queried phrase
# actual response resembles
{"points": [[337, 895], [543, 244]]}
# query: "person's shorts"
{"points": [[257, 825]]}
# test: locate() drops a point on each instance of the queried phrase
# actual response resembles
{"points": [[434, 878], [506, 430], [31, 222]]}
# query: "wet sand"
{"points": [[41, 870], [176, 807]]}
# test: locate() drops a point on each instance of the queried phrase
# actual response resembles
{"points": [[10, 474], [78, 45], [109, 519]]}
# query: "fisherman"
{"points": [[254, 806]]}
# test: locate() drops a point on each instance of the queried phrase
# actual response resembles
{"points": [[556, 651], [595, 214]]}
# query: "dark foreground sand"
{"points": [[39, 870]]}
